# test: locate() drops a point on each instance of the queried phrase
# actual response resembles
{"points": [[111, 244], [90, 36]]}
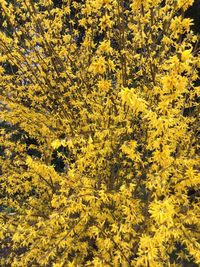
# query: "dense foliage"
{"points": [[99, 133]]}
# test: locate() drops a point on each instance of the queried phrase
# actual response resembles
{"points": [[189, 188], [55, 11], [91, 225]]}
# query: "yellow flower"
{"points": [[104, 85], [105, 47], [105, 22], [186, 55], [57, 143], [98, 66]]}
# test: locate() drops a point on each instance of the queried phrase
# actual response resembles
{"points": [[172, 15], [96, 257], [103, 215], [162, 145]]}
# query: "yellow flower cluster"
{"points": [[99, 162]]}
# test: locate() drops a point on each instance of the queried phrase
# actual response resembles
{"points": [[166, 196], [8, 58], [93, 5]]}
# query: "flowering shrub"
{"points": [[104, 85]]}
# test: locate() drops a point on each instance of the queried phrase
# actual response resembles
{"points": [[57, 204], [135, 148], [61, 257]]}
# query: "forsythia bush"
{"points": [[109, 87]]}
